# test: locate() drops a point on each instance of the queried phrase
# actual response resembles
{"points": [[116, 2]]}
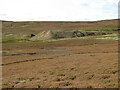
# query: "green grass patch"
{"points": [[111, 38], [110, 30], [25, 26], [11, 40], [13, 36]]}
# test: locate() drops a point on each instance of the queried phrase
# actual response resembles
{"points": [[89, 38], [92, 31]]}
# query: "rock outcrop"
{"points": [[48, 35]]}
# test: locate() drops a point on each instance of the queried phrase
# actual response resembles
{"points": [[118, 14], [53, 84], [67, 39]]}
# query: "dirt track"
{"points": [[83, 63]]}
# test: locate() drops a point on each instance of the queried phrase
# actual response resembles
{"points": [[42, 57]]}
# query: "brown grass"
{"points": [[70, 68]]}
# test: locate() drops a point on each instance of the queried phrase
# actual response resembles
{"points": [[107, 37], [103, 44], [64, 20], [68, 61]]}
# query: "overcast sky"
{"points": [[58, 10]]}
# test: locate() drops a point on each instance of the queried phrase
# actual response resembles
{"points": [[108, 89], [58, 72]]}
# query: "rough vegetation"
{"points": [[60, 54]]}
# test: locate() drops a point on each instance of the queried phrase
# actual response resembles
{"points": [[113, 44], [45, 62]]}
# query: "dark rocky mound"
{"points": [[48, 35]]}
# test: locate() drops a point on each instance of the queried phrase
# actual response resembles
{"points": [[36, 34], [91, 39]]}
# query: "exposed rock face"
{"points": [[90, 33], [45, 35], [78, 34], [48, 35], [32, 35], [63, 34]]}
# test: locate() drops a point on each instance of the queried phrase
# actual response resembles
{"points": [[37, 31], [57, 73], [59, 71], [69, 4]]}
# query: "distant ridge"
{"points": [[63, 21], [35, 27], [5, 21]]}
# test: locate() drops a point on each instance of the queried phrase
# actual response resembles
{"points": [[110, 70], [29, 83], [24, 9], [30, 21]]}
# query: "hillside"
{"points": [[60, 54], [37, 26]]}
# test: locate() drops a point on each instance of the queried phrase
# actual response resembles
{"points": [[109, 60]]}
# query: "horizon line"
{"points": [[59, 21]]}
